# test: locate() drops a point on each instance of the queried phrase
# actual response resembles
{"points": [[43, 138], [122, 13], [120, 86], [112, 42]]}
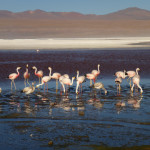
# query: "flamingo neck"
{"points": [[98, 67], [137, 72], [77, 75], [35, 71], [50, 72], [27, 70], [18, 72], [72, 81]]}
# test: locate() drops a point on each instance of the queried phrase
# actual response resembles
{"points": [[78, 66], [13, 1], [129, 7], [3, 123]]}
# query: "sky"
{"points": [[98, 7]]}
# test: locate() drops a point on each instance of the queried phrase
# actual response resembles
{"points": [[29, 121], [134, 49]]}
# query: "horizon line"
{"points": [[73, 11]]}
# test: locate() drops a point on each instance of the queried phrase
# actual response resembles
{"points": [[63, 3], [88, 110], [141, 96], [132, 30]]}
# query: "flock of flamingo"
{"points": [[65, 81]]}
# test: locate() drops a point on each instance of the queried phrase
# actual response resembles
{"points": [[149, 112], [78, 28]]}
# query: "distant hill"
{"points": [[126, 14], [40, 24]]}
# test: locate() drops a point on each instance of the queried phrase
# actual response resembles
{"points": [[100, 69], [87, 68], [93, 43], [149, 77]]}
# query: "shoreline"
{"points": [[75, 43]]}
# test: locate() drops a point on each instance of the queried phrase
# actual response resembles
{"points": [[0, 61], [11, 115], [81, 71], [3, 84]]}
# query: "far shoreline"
{"points": [[76, 43]]}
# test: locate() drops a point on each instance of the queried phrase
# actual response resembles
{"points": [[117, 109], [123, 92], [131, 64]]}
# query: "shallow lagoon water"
{"points": [[90, 120]]}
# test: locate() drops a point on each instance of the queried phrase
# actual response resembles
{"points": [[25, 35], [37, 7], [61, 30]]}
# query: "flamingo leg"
{"points": [[81, 88], [44, 87], [63, 87], [94, 80], [77, 88], [11, 84], [28, 82], [39, 81], [25, 82], [56, 85], [119, 88], [140, 88], [47, 87], [90, 82], [132, 88], [14, 84], [130, 83]]}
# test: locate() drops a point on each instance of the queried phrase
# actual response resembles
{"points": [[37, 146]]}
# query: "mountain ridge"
{"points": [[131, 13]]}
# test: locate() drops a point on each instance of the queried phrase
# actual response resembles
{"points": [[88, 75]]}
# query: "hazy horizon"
{"points": [[88, 7]]}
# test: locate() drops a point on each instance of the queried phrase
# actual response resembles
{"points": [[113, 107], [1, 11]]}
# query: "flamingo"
{"points": [[121, 74], [96, 72], [136, 81], [99, 85], [62, 77], [0, 90], [67, 82], [29, 90], [91, 77], [80, 80], [13, 76], [118, 81], [56, 76], [39, 74], [131, 74], [45, 79], [26, 76]]}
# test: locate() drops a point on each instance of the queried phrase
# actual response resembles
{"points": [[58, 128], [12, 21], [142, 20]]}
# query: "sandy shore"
{"points": [[75, 43]]}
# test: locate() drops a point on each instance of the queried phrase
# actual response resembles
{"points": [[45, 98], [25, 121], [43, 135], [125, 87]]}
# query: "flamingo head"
{"points": [[33, 83], [27, 66], [98, 65], [18, 68], [49, 68], [138, 69]]}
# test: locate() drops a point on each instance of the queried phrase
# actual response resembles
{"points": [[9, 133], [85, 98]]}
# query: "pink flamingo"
{"points": [[91, 77], [136, 81], [67, 81], [96, 72], [80, 80], [56, 76], [26, 76], [45, 79], [62, 77], [121, 74], [39, 74], [131, 74], [13, 76]]}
